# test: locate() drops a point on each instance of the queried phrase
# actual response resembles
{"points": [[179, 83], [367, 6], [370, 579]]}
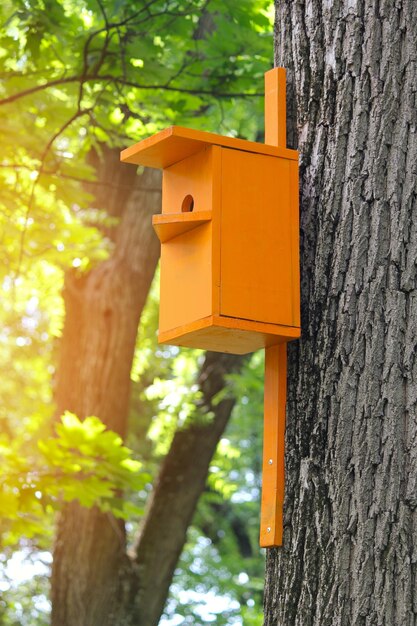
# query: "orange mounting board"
{"points": [[276, 107], [275, 386], [273, 476], [177, 143]]}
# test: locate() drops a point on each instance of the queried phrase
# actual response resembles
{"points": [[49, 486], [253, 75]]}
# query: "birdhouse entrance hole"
{"points": [[187, 204]]}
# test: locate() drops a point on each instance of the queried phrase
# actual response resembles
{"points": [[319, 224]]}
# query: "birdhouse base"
{"points": [[228, 334]]}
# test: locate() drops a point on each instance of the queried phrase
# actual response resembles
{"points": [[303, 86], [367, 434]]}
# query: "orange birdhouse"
{"points": [[230, 257], [229, 240]]}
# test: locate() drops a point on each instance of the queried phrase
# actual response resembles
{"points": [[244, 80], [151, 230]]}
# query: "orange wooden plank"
{"points": [[170, 225], [273, 476], [276, 107], [216, 228], [273, 473], [294, 236], [186, 278], [224, 334], [177, 143], [281, 330]]}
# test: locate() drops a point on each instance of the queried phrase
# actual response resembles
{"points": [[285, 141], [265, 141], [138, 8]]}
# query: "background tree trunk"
{"points": [[180, 483], [350, 539], [94, 581], [103, 309]]}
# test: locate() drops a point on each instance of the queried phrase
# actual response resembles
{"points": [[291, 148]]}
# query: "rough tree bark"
{"points": [[94, 581], [350, 538]]}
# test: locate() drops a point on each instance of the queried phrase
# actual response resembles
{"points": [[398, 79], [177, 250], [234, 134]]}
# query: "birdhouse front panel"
{"points": [[229, 240], [186, 278], [190, 189], [192, 178]]}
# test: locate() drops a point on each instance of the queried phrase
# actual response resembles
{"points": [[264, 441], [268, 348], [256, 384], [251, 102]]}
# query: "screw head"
{"points": [[270, 461], [268, 530]]}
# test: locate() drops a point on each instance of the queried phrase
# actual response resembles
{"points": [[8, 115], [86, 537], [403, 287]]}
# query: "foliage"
{"points": [[24, 589], [221, 565], [214, 589], [75, 76], [212, 563], [83, 461]]}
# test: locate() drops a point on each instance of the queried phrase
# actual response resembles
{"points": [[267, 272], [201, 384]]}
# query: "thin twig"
{"points": [[79, 113], [127, 83]]}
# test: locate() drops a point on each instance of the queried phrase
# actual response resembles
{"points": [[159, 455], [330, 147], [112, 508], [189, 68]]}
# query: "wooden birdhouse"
{"points": [[229, 240], [230, 257]]}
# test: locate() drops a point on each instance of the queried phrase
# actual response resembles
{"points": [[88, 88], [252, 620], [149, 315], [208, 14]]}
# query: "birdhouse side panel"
{"points": [[295, 241], [256, 238]]}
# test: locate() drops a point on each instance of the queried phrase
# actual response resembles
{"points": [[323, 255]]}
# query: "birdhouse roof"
{"points": [[177, 143]]}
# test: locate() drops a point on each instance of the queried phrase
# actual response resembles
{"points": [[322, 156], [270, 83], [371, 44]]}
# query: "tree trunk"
{"points": [[94, 581], [180, 483], [102, 315], [350, 535]]}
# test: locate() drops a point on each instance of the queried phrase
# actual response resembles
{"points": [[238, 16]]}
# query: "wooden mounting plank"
{"points": [[273, 472], [276, 108]]}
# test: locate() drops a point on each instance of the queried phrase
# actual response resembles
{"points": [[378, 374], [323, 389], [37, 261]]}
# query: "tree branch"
{"points": [[127, 83], [180, 483]]}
